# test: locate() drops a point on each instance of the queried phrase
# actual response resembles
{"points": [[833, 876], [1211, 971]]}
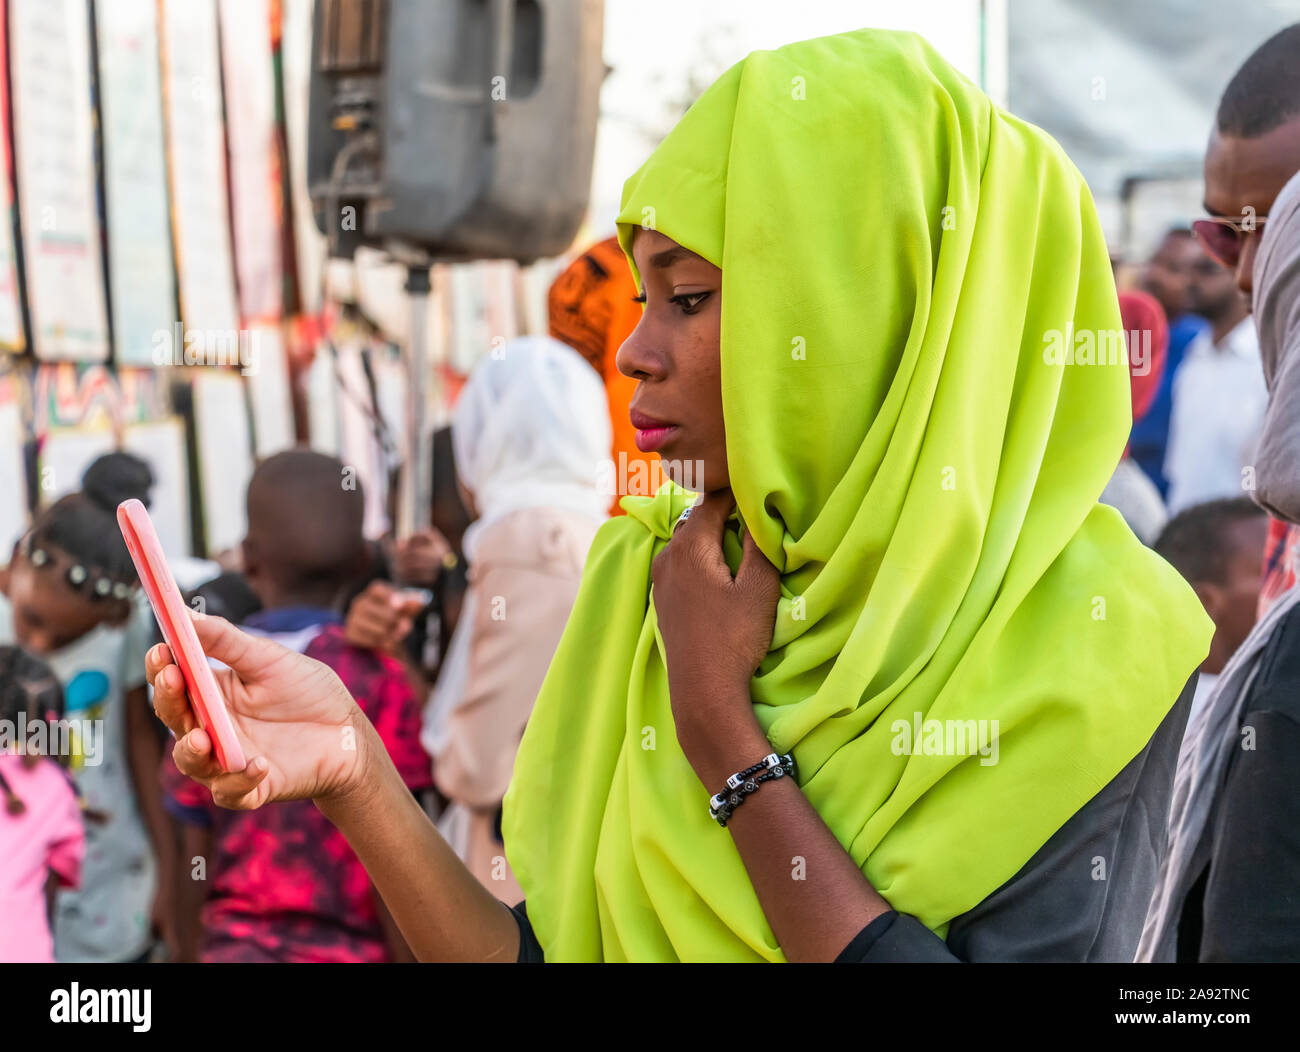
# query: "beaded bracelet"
{"points": [[723, 805]]}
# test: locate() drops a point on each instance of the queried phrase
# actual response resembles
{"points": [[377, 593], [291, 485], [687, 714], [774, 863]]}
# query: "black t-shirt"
{"points": [[1245, 905]]}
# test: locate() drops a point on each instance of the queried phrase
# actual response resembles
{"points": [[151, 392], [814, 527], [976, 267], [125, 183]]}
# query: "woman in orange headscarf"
{"points": [[593, 308]]}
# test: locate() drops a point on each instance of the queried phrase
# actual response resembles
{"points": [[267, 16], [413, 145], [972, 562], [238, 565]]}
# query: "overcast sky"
{"points": [[659, 50]]}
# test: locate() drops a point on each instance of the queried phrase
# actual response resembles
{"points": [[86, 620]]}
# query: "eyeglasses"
{"points": [[1222, 238]]}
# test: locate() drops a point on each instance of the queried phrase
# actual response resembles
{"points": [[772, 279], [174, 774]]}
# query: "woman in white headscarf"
{"points": [[531, 438]]}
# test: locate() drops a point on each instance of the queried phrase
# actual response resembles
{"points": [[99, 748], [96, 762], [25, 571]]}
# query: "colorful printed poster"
{"points": [[12, 337], [141, 283], [196, 163], [72, 396], [254, 156], [54, 158], [225, 456]]}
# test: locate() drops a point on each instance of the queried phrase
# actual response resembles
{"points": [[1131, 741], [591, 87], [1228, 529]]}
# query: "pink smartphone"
{"points": [[174, 620]]}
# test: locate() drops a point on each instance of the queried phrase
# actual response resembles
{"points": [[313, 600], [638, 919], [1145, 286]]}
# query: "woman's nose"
{"points": [[637, 359]]}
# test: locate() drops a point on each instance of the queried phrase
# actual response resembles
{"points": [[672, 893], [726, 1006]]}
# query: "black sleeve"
{"points": [[1251, 909], [1084, 894], [896, 938], [530, 950]]}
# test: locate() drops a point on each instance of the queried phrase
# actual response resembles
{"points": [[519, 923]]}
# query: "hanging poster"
{"points": [[65, 453], [54, 159], [268, 390], [309, 243], [11, 314], [254, 156], [196, 163], [13, 476], [323, 403], [225, 456], [141, 283], [161, 444], [362, 449]]}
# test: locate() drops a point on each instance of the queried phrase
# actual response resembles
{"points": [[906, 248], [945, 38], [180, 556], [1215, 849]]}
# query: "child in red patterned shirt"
{"points": [[280, 883]]}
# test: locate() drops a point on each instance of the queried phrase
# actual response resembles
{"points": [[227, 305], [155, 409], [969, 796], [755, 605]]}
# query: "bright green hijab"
{"points": [[901, 263]]}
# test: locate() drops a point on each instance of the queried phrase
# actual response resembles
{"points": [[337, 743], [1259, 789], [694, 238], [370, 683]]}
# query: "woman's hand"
{"points": [[381, 617], [716, 630], [303, 733]]}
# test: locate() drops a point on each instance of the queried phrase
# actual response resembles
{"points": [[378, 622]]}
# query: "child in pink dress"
{"points": [[41, 837]]}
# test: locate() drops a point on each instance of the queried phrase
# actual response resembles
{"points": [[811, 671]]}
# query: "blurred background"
{"points": [[158, 172]]}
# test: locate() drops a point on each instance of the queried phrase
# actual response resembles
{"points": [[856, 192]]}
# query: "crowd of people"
{"points": [[498, 738]]}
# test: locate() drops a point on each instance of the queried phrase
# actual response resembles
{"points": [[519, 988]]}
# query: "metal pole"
{"points": [[417, 476]]}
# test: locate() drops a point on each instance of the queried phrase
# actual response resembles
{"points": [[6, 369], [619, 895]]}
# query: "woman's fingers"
{"points": [[221, 640], [756, 572], [231, 789], [702, 531], [234, 790], [170, 701], [709, 515], [194, 756], [155, 660]]}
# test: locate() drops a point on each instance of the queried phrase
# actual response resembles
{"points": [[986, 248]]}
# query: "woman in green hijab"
{"points": [[881, 337]]}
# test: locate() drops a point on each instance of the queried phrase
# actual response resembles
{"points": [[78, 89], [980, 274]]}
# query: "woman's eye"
{"points": [[689, 302], [639, 297]]}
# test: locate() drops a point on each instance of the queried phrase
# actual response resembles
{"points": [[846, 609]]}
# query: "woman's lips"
{"points": [[648, 439], [651, 434]]}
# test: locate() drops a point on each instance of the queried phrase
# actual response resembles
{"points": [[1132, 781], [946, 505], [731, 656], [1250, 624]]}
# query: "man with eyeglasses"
{"points": [[1227, 885], [1219, 394]]}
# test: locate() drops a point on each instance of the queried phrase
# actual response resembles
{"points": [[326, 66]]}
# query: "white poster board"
{"points": [[161, 444], [360, 449], [196, 160], [225, 456], [323, 404], [254, 167], [268, 390], [65, 453], [54, 160], [12, 336], [295, 54], [13, 476], [141, 283]]}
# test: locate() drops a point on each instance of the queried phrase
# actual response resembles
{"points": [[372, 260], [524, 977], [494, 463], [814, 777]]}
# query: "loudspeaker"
{"points": [[463, 128]]}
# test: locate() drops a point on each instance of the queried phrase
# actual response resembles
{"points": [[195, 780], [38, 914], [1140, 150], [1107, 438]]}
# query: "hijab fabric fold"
{"points": [[904, 270]]}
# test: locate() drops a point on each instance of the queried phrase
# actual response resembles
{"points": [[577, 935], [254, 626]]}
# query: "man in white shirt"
{"points": [[1219, 396]]}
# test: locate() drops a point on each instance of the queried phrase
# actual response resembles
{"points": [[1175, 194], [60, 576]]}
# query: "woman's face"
{"points": [[674, 354]]}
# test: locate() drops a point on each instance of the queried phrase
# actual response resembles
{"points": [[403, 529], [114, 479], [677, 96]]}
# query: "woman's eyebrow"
{"points": [[669, 256]]}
